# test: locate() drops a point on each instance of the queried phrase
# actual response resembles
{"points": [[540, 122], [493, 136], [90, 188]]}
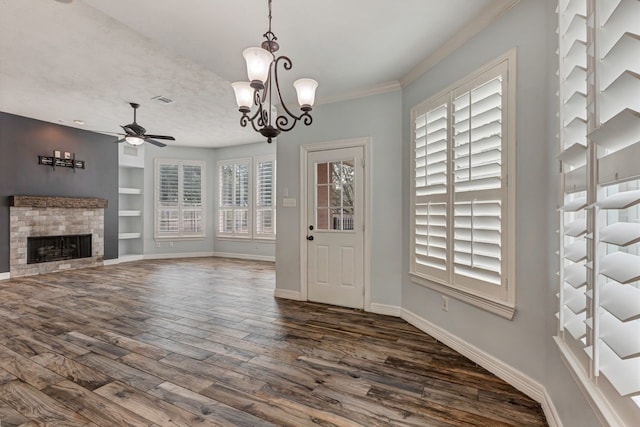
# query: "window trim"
{"points": [[505, 305], [156, 203]]}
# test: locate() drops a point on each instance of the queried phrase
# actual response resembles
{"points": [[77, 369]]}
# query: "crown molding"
{"points": [[495, 10], [361, 92]]}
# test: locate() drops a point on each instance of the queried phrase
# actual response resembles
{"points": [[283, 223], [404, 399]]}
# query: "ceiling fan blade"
{"points": [[170, 138], [128, 130], [154, 142], [120, 140]]}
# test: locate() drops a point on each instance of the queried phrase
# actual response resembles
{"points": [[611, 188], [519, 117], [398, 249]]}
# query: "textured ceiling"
{"points": [[87, 59]]}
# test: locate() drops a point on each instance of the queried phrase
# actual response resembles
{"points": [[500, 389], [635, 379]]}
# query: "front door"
{"points": [[335, 227]]}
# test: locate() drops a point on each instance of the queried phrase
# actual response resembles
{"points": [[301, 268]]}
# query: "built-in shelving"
{"points": [[131, 202]]}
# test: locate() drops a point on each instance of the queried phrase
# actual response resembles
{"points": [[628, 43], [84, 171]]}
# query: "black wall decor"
{"points": [[23, 139]]}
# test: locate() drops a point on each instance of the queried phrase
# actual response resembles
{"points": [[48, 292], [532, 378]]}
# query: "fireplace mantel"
{"points": [[57, 202]]}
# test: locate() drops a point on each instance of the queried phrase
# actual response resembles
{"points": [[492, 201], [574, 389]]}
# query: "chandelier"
{"points": [[262, 69]]}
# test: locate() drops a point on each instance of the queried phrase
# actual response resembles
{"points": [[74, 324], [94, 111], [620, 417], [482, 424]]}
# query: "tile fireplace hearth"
{"points": [[42, 218]]}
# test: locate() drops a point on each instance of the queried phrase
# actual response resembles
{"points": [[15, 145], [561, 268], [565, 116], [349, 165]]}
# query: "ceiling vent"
{"points": [[163, 99]]}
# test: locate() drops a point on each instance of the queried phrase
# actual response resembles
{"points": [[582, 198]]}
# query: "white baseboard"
{"points": [[245, 256], [388, 310], [519, 380], [108, 262], [179, 255], [287, 294], [5, 276]]}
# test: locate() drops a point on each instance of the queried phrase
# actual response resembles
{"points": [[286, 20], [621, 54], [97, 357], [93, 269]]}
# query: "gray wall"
{"points": [[378, 117], [526, 341], [258, 248], [21, 141], [180, 246]]}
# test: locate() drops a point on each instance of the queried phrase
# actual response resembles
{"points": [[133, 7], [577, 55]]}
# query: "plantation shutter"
{"points": [[431, 184], [179, 198], [233, 213], [191, 199], [478, 176], [600, 292], [573, 157], [168, 219], [616, 319], [265, 198]]}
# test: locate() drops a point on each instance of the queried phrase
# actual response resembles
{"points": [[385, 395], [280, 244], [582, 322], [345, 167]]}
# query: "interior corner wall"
{"points": [[260, 249], [524, 343], [21, 141], [380, 118], [172, 247]]}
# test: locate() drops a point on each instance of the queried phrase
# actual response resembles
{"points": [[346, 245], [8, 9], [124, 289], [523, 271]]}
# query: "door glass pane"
{"points": [[335, 190], [322, 218]]}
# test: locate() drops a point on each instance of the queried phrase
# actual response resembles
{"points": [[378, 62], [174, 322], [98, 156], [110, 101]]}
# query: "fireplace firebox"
{"points": [[56, 248]]}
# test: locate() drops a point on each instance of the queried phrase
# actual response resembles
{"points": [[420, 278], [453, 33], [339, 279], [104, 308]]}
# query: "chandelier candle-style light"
{"points": [[262, 68]]}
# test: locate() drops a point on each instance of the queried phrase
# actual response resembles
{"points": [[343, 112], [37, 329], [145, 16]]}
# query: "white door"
{"points": [[335, 224]]}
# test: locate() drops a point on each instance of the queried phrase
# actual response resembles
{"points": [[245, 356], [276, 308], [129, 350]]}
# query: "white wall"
{"points": [[380, 118], [525, 342], [189, 246], [260, 249]]}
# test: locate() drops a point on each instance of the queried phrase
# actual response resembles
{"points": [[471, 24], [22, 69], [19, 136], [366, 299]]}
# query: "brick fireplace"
{"points": [[33, 216]]}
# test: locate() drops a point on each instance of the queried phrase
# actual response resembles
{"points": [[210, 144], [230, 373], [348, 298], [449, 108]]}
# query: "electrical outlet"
{"points": [[445, 303], [157, 244], [170, 244]]}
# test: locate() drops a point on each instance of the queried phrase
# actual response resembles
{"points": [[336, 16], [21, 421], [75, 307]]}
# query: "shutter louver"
{"points": [[477, 160], [430, 214]]}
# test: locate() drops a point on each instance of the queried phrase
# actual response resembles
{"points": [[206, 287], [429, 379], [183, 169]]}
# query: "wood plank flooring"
{"points": [[203, 342]]}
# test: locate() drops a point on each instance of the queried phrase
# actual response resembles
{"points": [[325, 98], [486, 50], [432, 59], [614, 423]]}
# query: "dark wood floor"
{"points": [[204, 342]]}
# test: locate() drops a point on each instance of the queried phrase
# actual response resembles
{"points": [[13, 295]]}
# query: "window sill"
{"points": [[178, 238], [500, 308], [245, 239]]}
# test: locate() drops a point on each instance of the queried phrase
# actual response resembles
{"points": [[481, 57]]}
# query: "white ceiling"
{"points": [[87, 59]]}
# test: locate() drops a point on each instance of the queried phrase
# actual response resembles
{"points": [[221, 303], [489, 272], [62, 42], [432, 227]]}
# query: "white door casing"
{"points": [[335, 223]]}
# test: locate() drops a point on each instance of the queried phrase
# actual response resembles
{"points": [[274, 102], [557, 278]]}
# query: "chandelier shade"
{"points": [[244, 95], [258, 97], [306, 91], [258, 65]]}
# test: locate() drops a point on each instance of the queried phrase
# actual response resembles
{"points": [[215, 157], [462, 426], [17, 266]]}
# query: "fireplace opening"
{"points": [[56, 248]]}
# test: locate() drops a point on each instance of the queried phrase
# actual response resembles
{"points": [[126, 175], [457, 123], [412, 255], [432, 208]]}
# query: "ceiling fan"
{"points": [[136, 134]]}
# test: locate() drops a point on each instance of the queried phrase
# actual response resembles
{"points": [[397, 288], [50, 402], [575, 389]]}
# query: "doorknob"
{"points": [[309, 237]]}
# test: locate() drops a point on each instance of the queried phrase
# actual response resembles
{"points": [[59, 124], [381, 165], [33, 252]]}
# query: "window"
{"points": [[179, 198], [265, 198], [599, 295], [462, 206], [246, 206]]}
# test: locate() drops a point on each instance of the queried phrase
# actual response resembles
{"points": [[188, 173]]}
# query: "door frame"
{"points": [[305, 149]]}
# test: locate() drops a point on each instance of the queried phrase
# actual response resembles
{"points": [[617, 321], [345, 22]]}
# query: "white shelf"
{"points": [[129, 213], [128, 190], [126, 236]]}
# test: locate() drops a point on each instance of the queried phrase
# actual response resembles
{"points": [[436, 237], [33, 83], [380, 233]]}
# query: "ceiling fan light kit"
{"points": [[262, 71], [136, 135]]}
